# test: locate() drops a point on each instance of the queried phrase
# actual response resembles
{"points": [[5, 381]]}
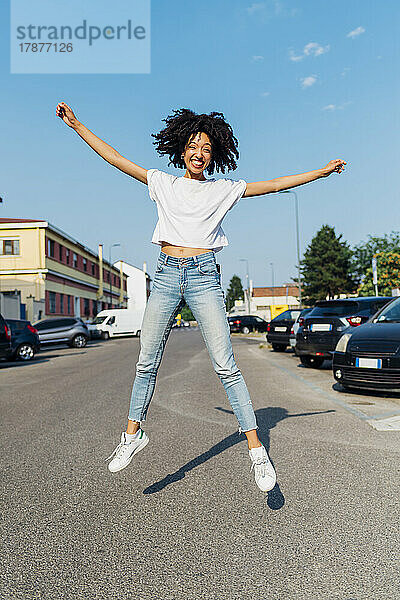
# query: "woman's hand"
{"points": [[66, 114], [333, 165]]}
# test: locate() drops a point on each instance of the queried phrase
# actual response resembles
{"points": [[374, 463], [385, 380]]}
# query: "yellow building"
{"points": [[55, 274]]}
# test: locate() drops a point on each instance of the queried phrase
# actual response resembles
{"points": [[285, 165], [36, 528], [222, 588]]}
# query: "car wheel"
{"points": [[245, 330], [105, 335], [79, 341], [314, 362], [279, 347], [24, 352]]}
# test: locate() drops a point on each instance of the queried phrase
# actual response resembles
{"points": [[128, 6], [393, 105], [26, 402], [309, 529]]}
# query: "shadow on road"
{"points": [[373, 393], [20, 363], [267, 419]]}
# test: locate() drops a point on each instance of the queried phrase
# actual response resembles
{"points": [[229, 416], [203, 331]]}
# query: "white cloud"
{"points": [[356, 32], [271, 8], [310, 49], [295, 57], [257, 58], [345, 71], [333, 107], [264, 94], [255, 7], [308, 81]]}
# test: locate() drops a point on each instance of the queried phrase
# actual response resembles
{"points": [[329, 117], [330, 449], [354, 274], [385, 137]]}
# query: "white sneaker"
{"points": [[126, 450], [264, 472]]}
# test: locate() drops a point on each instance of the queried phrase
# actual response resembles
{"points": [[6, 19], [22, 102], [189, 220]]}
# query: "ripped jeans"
{"points": [[195, 280]]}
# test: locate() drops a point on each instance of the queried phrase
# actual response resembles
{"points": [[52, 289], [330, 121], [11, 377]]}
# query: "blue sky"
{"points": [[300, 82]]}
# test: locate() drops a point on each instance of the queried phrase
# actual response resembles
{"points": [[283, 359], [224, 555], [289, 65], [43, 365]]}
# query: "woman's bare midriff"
{"points": [[181, 251]]}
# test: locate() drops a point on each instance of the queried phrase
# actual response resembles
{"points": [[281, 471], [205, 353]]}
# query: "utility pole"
{"points": [[109, 256], [296, 205], [247, 283], [273, 282]]}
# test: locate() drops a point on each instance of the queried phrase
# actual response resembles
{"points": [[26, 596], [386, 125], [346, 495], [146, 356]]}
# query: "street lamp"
{"points": [[273, 282], [296, 204], [247, 283], [109, 256]]}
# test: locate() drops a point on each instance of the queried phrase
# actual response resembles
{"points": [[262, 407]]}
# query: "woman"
{"points": [[190, 210]]}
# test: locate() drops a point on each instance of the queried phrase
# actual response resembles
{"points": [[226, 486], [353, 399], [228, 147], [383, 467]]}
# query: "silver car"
{"points": [[295, 328], [69, 330]]}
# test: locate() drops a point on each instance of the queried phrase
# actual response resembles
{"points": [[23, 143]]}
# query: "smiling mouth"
{"points": [[197, 163]]}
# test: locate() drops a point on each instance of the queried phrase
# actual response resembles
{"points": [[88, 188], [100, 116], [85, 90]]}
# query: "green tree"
{"points": [[326, 267], [363, 252], [388, 267], [234, 292], [187, 314]]}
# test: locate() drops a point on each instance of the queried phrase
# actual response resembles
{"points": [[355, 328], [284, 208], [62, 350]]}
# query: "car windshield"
{"points": [[390, 314], [98, 320], [333, 309]]}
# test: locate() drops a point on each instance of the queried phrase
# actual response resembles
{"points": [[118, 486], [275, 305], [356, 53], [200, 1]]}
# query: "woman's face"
{"points": [[197, 153]]}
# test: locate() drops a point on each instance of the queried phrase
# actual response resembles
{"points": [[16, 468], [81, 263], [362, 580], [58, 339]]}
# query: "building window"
{"points": [[75, 261], [50, 248], [60, 252], [93, 268], [9, 247], [86, 307], [85, 264], [62, 304], [67, 255], [68, 304], [52, 302]]}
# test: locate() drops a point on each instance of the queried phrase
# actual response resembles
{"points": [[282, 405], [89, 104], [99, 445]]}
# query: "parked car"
{"points": [[279, 329], [24, 340], [247, 323], [69, 330], [5, 338], [295, 327], [369, 357], [328, 321], [116, 322]]}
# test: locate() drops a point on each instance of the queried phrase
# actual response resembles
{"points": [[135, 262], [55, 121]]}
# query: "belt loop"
{"points": [[196, 260]]}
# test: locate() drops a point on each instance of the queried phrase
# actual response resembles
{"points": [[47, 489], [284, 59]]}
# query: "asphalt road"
{"points": [[185, 520]]}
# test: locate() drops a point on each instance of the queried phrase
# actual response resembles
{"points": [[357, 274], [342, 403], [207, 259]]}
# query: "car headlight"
{"points": [[342, 343]]}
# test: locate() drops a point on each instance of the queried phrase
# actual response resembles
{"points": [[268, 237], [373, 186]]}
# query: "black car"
{"points": [[279, 329], [69, 330], [369, 357], [329, 319], [247, 323], [24, 340], [5, 338]]}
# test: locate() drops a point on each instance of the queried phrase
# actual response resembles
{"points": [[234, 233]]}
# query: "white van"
{"points": [[116, 323]]}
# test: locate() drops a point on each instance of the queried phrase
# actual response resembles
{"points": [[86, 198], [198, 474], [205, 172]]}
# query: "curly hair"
{"points": [[183, 123]]}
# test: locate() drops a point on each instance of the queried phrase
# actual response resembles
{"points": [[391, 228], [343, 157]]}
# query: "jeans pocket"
{"points": [[160, 265], [207, 268]]}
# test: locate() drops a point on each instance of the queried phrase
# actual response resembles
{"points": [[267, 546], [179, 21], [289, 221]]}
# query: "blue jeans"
{"points": [[196, 281]]}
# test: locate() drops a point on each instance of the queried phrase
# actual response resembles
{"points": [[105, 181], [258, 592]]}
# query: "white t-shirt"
{"points": [[190, 212]]}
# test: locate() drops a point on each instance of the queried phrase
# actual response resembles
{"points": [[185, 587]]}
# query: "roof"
{"points": [[264, 292], [355, 299], [4, 220]]}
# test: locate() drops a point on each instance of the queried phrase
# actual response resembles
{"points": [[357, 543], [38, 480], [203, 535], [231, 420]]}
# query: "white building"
{"points": [[263, 298], [138, 284]]}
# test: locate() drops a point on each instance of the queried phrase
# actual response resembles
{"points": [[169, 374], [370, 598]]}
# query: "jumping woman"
{"points": [[190, 212]]}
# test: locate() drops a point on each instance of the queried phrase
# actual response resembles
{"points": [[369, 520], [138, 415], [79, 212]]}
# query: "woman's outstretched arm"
{"points": [[283, 183], [104, 150]]}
